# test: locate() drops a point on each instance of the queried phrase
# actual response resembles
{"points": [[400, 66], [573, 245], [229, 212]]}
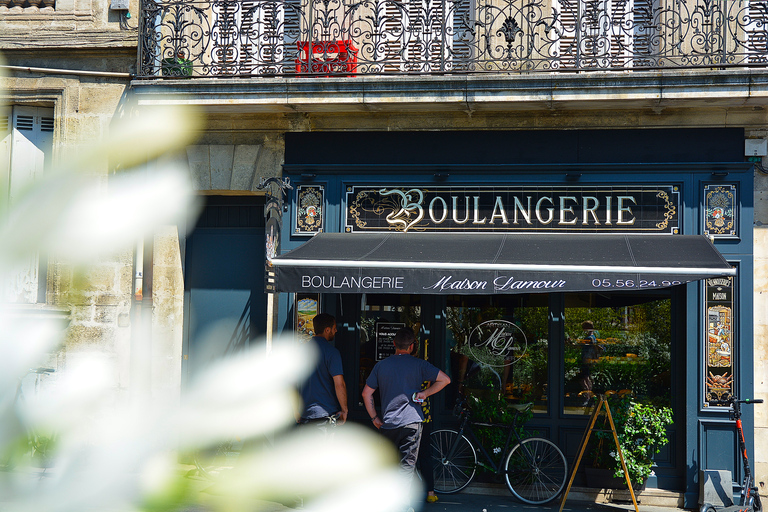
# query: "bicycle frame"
{"points": [[465, 428]]}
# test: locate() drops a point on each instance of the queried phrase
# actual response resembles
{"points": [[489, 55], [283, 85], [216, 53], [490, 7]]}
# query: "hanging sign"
{"points": [[613, 209]]}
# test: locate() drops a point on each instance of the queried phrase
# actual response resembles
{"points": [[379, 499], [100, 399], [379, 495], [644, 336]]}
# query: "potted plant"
{"points": [[177, 66], [641, 427]]}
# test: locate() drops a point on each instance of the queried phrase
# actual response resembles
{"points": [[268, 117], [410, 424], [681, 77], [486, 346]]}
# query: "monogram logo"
{"points": [[409, 212], [497, 343]]}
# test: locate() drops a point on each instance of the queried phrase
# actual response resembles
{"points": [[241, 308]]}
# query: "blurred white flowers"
{"points": [[105, 453]]}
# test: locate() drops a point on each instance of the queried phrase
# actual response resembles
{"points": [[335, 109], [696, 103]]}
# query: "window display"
{"points": [[616, 348], [500, 345]]}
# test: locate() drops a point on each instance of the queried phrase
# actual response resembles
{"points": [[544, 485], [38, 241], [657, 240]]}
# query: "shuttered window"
{"points": [[756, 32], [413, 35], [605, 33], [26, 142], [250, 37]]}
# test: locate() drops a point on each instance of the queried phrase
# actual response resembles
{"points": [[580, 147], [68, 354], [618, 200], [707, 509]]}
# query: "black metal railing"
{"points": [[183, 38]]}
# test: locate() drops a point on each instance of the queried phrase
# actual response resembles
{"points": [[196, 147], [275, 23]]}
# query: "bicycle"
{"points": [[749, 497], [534, 468]]}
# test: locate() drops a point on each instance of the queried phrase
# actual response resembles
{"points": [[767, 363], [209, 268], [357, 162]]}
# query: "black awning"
{"points": [[464, 263]]}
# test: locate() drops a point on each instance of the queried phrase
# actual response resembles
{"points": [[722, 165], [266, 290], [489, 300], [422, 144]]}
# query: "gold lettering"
{"points": [[622, 209], [456, 207], [590, 210], [563, 210], [525, 211], [477, 212], [550, 210], [432, 210], [502, 214]]}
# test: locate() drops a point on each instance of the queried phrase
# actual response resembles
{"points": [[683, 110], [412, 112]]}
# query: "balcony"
{"points": [[351, 38]]}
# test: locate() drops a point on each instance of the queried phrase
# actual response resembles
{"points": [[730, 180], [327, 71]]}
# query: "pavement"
{"points": [[497, 502], [486, 497]]}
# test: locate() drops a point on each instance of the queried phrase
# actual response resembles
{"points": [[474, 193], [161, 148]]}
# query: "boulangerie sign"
{"points": [[624, 209]]}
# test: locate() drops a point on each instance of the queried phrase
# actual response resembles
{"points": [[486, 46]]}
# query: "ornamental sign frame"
{"points": [[720, 211], [310, 210], [530, 209]]}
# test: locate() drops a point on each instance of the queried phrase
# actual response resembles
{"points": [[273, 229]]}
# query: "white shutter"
{"points": [[225, 26], [756, 32], [250, 37], [644, 33], [262, 46], [30, 143], [567, 44], [413, 31], [602, 33], [461, 28]]}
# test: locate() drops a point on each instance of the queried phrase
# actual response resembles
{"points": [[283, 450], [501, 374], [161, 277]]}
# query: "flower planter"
{"points": [[602, 478], [177, 67]]}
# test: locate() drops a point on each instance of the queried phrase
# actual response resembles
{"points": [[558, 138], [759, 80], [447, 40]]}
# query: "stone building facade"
{"points": [[86, 64]]}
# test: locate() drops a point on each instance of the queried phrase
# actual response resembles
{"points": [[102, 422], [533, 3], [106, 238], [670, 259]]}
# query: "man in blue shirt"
{"points": [[398, 379], [325, 393]]}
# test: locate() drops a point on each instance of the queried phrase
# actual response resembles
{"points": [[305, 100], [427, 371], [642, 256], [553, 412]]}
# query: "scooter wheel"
{"points": [[707, 507]]}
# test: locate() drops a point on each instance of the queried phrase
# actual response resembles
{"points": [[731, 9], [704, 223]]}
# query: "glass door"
{"points": [[380, 318]]}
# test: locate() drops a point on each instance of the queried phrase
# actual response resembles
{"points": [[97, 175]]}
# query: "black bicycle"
{"points": [[750, 498], [534, 468]]}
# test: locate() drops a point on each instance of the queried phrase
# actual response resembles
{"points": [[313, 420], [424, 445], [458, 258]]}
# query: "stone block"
{"points": [[243, 166], [269, 162], [200, 166], [221, 166], [715, 487]]}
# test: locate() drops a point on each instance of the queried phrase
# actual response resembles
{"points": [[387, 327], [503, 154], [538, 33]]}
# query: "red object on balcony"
{"points": [[327, 58]]}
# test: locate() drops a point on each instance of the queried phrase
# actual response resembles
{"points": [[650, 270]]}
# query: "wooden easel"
{"points": [[587, 433]]}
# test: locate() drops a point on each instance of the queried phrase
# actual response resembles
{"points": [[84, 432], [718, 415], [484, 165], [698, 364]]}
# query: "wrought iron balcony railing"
{"points": [[182, 38]]}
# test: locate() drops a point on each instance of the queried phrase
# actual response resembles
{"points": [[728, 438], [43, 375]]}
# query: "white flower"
{"points": [[497, 450]]}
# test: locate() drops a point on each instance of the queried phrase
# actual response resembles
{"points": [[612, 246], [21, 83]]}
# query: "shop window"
{"points": [[500, 346], [619, 344]]}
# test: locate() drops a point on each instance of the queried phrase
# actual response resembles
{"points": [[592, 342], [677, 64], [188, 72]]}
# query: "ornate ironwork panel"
{"points": [[185, 38]]}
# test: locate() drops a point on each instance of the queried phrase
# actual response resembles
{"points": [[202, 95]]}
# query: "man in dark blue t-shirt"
{"points": [[398, 379], [325, 393]]}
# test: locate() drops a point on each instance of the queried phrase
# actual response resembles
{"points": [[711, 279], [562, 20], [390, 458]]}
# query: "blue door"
{"points": [[225, 303]]}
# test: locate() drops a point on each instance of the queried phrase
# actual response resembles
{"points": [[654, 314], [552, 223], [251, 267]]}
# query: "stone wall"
{"points": [[760, 236]]}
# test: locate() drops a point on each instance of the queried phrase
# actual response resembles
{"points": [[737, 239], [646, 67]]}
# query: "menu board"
{"points": [[385, 333]]}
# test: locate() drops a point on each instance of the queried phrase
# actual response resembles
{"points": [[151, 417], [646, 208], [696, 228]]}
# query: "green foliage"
{"points": [[492, 407], [641, 427]]}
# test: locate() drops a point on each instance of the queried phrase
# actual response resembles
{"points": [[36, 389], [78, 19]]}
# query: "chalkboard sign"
{"points": [[385, 333]]}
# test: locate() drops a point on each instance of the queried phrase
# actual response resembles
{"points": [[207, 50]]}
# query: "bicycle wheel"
{"points": [[535, 471], [454, 461]]}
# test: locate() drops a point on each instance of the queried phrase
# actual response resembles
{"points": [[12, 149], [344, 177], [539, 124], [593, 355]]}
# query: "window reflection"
{"points": [[499, 345], [618, 346]]}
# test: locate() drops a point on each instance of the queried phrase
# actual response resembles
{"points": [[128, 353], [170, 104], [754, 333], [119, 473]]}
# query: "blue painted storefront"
{"points": [[689, 159]]}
